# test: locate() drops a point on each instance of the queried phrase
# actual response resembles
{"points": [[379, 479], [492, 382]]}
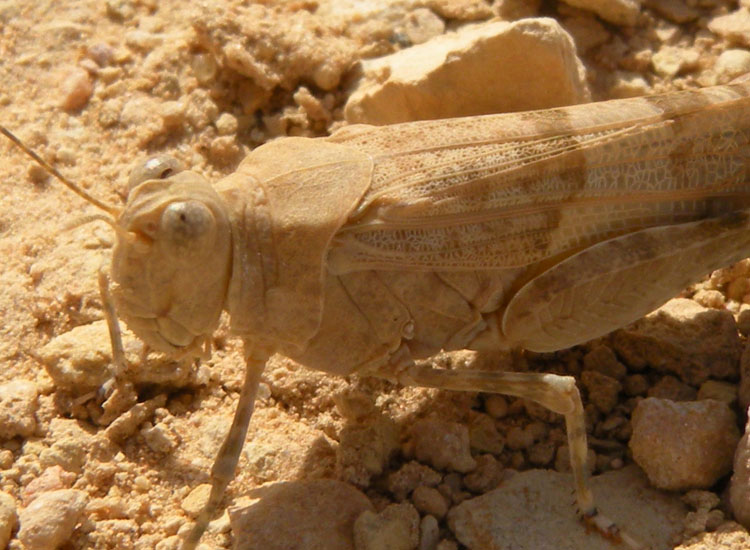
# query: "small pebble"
{"points": [[486, 476], [52, 479], [170, 543], [731, 64], [542, 453], [8, 518], [18, 405], [142, 483], [483, 435], [6, 460], [204, 67], [101, 54], [496, 406], [76, 89], [683, 445], [429, 500], [629, 85], [673, 389], [411, 475], [443, 445], [49, 520], [734, 26], [194, 502], [603, 390], [395, 528], [429, 533], [224, 150], [603, 360], [739, 486], [160, 438], [710, 298], [721, 391], [172, 113], [635, 384], [518, 438], [226, 124]]}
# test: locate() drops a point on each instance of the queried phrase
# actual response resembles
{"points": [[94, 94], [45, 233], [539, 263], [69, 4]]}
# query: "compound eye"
{"points": [[187, 226], [155, 168]]}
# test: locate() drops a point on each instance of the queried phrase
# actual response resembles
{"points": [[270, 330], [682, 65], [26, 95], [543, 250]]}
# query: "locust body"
{"points": [[366, 250], [538, 230]]}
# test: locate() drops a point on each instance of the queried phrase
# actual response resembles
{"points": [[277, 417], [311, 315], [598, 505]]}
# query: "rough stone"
{"points": [[603, 390], [194, 502], [51, 479], [676, 11], [50, 519], [739, 487], [730, 535], [603, 360], [734, 26], [483, 435], [443, 445], [744, 388], [275, 456], [731, 64], [395, 528], [532, 510], [365, 449], [421, 25], [721, 391], [303, 47], [18, 405], [317, 514], [8, 518], [619, 12], [535, 57], [685, 339], [75, 89], [429, 500], [685, 445], [429, 533], [671, 60], [80, 360], [486, 476], [587, 32], [669, 387], [410, 476]]}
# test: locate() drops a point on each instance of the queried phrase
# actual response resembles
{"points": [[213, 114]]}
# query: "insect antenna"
{"points": [[113, 210]]}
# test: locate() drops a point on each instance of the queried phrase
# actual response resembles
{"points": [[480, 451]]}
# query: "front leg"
{"points": [[225, 464], [117, 394]]}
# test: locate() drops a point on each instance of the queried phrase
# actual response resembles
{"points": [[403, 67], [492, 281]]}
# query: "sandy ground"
{"points": [[155, 88]]}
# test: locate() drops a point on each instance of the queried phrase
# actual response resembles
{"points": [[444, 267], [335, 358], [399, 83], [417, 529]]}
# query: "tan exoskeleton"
{"points": [[537, 230]]}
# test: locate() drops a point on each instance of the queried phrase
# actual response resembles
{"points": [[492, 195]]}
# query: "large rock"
{"points": [[684, 445], [739, 488], [684, 338], [299, 515], [534, 510], [734, 26], [49, 520], [8, 518], [490, 68], [80, 360]]}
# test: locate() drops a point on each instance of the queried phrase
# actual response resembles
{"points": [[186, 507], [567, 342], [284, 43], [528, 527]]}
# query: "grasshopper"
{"points": [[537, 230]]}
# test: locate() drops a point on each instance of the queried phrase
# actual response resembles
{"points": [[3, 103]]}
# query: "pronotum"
{"points": [[536, 231]]}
